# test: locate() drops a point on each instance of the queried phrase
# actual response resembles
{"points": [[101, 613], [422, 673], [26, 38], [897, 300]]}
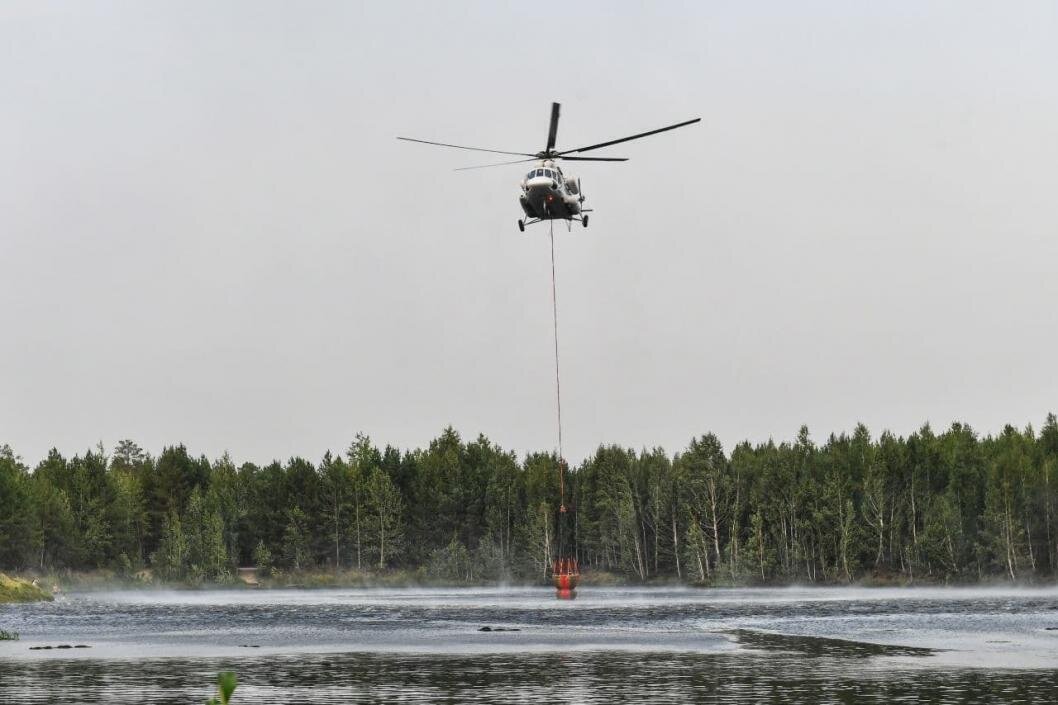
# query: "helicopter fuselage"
{"points": [[547, 194]]}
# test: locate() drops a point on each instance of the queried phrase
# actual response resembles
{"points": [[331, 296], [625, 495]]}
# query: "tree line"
{"points": [[953, 506]]}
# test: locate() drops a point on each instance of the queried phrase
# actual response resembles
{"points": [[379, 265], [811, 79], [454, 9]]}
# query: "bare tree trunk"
{"points": [[1028, 538], [547, 545], [876, 520], [576, 535], [785, 548], [951, 547], [881, 540], [639, 559], [733, 538], [644, 564], [760, 549], [359, 566], [892, 526], [1008, 537], [676, 545], [1047, 515], [714, 519], [846, 524], [657, 527], [914, 528], [381, 542], [914, 515], [337, 535]]}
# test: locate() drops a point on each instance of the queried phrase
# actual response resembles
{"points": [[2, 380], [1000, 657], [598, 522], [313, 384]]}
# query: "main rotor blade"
{"points": [[486, 166], [535, 159], [552, 131], [626, 139], [594, 159], [459, 146]]}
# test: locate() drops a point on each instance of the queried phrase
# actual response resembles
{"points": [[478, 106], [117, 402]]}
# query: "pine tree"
{"points": [[295, 539], [16, 515]]}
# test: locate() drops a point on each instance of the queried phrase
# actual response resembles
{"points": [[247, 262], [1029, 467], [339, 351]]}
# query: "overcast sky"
{"points": [[209, 235]]}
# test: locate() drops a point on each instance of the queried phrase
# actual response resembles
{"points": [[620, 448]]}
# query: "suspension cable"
{"points": [[558, 384]]}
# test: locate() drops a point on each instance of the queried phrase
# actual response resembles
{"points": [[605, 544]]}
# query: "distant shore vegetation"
{"points": [[930, 507]]}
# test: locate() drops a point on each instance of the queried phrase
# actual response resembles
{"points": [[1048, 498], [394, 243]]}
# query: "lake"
{"points": [[777, 645]]}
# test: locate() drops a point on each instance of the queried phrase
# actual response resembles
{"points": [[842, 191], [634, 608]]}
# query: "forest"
{"points": [[930, 507]]}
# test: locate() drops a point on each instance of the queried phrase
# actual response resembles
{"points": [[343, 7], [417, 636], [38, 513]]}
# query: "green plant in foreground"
{"points": [[8, 636], [225, 687]]}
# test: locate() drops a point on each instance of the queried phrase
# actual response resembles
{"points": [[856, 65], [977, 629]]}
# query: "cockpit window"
{"points": [[531, 174], [547, 173], [539, 172]]}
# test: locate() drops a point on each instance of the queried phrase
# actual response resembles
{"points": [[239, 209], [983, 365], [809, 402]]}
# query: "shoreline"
{"points": [[21, 586]]}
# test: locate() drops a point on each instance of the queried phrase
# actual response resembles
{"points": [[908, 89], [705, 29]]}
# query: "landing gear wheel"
{"points": [[584, 220], [521, 226]]}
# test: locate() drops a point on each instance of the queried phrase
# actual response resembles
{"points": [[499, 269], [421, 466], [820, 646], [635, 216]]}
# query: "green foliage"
{"points": [[8, 636], [262, 557], [207, 557], [948, 506], [491, 561], [170, 561], [226, 683], [451, 564], [540, 537], [16, 511], [384, 509]]}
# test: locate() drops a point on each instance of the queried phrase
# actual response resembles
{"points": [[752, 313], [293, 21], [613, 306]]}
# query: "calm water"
{"points": [[814, 645]]}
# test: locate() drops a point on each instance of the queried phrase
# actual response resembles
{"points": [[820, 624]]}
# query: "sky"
{"points": [[209, 235]]}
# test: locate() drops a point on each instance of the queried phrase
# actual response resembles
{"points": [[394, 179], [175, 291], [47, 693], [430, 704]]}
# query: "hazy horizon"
{"points": [[209, 234]]}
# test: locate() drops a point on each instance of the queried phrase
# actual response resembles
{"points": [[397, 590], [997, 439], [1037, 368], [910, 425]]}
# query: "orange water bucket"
{"points": [[565, 574]]}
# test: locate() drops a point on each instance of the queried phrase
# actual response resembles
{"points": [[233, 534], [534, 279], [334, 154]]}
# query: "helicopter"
{"points": [[546, 192]]}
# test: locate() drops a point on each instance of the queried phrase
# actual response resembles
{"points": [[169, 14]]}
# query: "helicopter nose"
{"points": [[539, 182]]}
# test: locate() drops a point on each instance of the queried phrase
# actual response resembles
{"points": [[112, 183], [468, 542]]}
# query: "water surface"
{"points": [[789, 645]]}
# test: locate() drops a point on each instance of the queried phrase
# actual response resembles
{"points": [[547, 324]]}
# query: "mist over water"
{"points": [[791, 645]]}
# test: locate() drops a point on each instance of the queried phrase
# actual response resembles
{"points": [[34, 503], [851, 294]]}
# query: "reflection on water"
{"points": [[586, 677], [796, 646]]}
